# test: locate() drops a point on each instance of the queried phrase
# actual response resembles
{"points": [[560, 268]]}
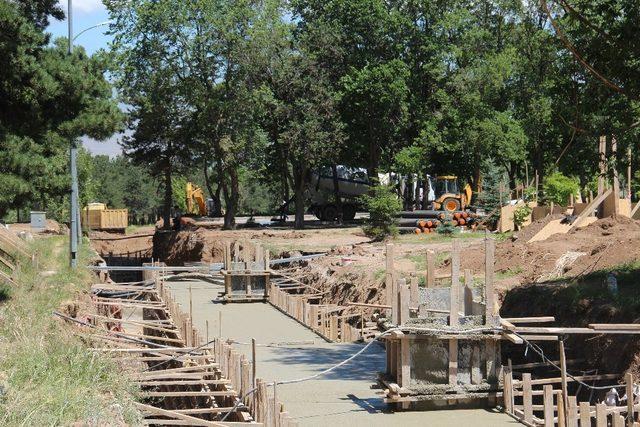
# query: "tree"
{"points": [[47, 99]]}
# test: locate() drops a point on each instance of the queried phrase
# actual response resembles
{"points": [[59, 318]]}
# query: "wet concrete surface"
{"points": [[345, 395]]}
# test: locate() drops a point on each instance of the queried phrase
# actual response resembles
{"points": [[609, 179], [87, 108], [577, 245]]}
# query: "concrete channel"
{"points": [[343, 396]]}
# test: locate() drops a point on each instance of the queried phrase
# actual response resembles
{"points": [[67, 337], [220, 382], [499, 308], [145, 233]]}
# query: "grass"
{"points": [[512, 271], [443, 238], [47, 375], [420, 260]]}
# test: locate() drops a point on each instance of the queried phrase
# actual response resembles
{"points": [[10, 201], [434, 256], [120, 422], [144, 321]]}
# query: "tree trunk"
{"points": [[168, 199], [231, 196], [215, 195], [298, 178], [336, 193]]}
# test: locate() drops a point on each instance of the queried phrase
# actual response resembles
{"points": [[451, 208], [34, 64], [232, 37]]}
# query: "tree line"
{"points": [[275, 89]]}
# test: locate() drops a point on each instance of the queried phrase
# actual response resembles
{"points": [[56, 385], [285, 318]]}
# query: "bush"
{"points": [[447, 228], [558, 188], [383, 206], [520, 215]]}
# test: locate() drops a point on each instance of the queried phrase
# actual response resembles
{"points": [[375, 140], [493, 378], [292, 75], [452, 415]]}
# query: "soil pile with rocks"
{"points": [[601, 245]]}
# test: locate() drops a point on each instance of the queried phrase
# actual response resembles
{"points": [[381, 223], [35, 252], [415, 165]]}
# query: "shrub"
{"points": [[558, 188], [383, 206], [447, 228], [521, 214]]}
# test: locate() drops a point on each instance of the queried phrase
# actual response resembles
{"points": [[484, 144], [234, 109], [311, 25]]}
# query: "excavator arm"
{"points": [[195, 194]]}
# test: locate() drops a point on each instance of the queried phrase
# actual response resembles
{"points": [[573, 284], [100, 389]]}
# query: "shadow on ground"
{"points": [[363, 367]]}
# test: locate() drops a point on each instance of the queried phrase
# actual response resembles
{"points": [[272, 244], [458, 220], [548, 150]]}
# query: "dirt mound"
{"points": [[532, 229], [603, 244], [178, 247]]}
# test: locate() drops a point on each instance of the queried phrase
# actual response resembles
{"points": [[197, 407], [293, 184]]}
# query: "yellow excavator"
{"points": [[448, 197], [196, 203]]}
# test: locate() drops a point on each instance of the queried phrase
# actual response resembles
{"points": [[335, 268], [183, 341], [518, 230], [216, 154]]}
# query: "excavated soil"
{"points": [[603, 244], [119, 244]]}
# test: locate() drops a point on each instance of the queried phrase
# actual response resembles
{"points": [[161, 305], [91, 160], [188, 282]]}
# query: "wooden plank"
{"points": [[558, 380], [563, 376], [585, 414], [212, 410], [188, 393], [540, 319], [431, 269], [405, 357], [403, 297], [513, 337], [526, 397], [175, 415], [619, 326], [601, 415], [572, 415], [389, 278], [508, 390], [490, 248], [414, 299], [630, 398], [179, 382], [453, 362], [539, 337], [556, 331], [590, 208], [548, 406], [454, 295]]}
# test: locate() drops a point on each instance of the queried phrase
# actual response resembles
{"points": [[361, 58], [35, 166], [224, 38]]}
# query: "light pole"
{"points": [[74, 225]]}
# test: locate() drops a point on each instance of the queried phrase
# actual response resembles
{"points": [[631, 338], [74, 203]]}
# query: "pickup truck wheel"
{"points": [[348, 212], [329, 213]]}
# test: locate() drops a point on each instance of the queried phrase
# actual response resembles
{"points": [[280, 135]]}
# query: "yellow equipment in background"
{"points": [[448, 196], [96, 216], [195, 194]]}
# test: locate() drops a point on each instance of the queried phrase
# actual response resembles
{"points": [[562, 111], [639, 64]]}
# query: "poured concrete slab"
{"points": [[342, 397]]}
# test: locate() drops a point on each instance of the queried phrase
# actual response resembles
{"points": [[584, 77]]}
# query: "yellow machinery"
{"points": [[448, 196], [96, 216], [195, 194]]}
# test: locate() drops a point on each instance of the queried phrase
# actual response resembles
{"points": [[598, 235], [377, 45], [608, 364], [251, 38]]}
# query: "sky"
{"points": [[87, 13]]}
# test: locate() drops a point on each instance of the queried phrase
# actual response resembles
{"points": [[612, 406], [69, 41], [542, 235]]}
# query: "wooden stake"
{"points": [[455, 285], [468, 292], [389, 278], [548, 406], [490, 315], [431, 267], [190, 304], [253, 361], [526, 398], [414, 298], [207, 329], [563, 375], [630, 398]]}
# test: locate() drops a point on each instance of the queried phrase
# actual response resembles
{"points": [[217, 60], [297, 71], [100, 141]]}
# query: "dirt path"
{"points": [[343, 396]]}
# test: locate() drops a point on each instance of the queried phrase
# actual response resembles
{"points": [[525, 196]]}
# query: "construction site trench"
{"points": [[551, 278]]}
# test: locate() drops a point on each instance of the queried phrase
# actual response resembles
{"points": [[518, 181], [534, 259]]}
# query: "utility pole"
{"points": [[73, 152]]}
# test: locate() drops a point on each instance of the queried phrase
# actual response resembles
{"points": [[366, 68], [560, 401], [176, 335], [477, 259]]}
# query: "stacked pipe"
{"points": [[427, 221]]}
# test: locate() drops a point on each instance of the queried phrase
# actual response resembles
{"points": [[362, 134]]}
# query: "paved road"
{"points": [[343, 396]]}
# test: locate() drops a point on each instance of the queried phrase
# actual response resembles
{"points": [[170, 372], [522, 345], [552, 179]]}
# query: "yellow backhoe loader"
{"points": [[448, 197], [196, 203]]}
